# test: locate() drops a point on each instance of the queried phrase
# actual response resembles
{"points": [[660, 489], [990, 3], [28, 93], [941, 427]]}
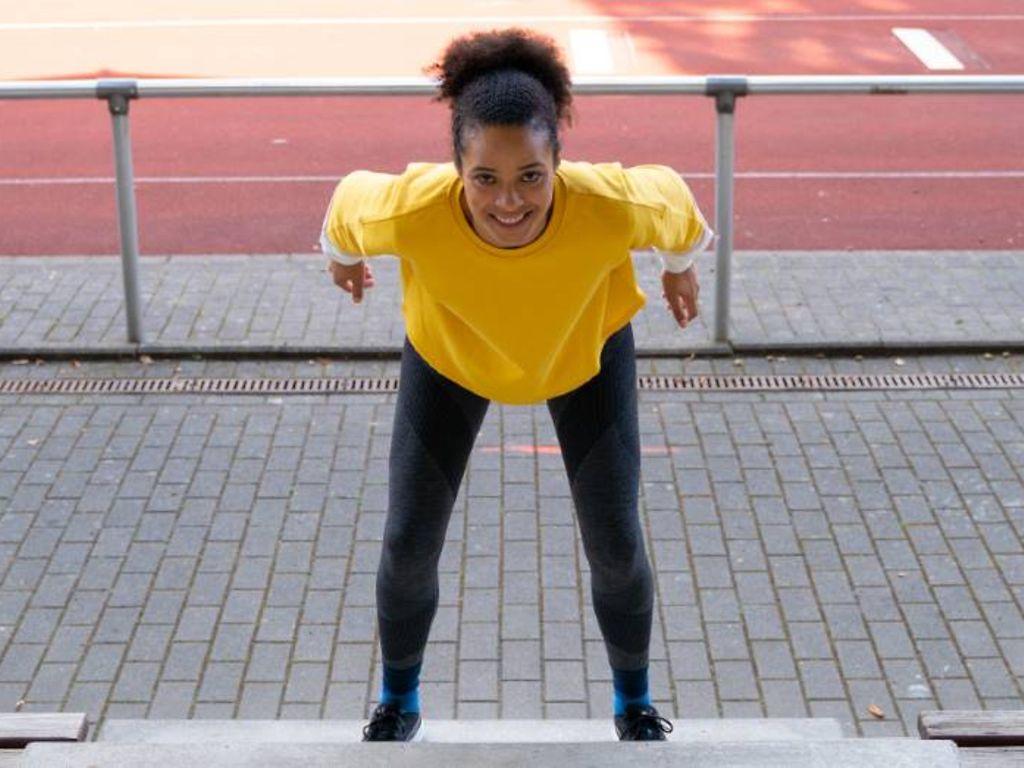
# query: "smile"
{"points": [[511, 221]]}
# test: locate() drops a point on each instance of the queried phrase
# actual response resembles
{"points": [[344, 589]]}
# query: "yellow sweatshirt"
{"points": [[516, 325]]}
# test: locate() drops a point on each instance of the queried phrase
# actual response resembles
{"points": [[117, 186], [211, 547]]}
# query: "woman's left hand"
{"points": [[680, 290]]}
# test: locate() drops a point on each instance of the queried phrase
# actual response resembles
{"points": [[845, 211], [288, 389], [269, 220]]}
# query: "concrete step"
{"points": [[846, 753], [455, 731]]}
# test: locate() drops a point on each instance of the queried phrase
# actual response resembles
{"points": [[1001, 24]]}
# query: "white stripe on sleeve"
{"points": [[331, 250]]}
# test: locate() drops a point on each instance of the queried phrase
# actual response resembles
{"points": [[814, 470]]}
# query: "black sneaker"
{"points": [[389, 723], [642, 723]]}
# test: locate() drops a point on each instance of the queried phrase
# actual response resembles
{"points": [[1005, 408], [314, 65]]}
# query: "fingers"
{"points": [[340, 279], [681, 311], [353, 280], [683, 308]]}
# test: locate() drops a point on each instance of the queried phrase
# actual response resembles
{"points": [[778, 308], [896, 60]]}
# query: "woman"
{"points": [[518, 286]]}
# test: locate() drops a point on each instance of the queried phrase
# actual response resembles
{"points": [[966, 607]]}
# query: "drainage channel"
{"points": [[374, 385]]}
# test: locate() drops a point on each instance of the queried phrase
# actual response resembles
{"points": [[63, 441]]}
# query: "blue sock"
{"points": [[630, 688], [402, 687]]}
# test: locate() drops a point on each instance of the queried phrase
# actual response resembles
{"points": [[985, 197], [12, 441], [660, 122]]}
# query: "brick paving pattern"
{"points": [[259, 300], [814, 553]]}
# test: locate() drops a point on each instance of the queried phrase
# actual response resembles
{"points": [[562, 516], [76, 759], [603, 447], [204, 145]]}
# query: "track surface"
{"points": [[253, 175]]}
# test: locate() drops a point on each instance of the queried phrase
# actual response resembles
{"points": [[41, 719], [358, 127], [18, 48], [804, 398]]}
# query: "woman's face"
{"points": [[508, 177]]}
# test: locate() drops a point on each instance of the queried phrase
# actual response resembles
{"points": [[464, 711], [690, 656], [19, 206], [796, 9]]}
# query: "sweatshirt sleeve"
{"points": [[358, 223], [665, 215]]}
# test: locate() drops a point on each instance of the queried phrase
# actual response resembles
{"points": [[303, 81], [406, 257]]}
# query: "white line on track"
{"points": [[708, 18], [927, 48], [591, 52], [56, 181]]}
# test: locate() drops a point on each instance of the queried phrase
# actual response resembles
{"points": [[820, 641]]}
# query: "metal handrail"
{"points": [[725, 89], [416, 86]]}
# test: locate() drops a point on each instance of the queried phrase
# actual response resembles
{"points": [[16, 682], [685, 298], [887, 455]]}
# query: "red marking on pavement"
{"points": [[650, 450]]}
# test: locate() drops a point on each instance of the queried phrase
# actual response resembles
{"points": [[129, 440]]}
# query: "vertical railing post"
{"points": [[118, 95], [725, 90]]}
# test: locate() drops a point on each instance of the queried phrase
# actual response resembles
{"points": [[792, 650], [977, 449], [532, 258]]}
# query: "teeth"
{"points": [[515, 220]]}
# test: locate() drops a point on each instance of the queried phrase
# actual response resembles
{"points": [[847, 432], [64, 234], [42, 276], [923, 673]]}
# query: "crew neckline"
{"points": [[546, 236]]}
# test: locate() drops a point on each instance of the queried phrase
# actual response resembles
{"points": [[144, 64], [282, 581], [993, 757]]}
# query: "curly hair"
{"points": [[504, 77]]}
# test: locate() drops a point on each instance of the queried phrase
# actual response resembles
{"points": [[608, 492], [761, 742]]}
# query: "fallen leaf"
{"points": [[33, 441], [75, 364], [145, 359], [876, 711], [20, 361], [899, 361]]}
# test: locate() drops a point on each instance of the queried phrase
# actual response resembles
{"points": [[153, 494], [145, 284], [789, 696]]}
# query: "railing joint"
{"points": [[726, 90], [118, 94]]}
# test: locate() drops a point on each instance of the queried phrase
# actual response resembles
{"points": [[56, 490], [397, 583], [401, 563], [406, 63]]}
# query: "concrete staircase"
{"points": [[811, 743]]}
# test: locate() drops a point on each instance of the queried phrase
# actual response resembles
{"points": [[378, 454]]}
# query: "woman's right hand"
{"points": [[351, 279]]}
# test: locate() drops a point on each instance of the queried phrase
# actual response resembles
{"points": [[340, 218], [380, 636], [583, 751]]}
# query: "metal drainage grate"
{"points": [[702, 383], [832, 382], [196, 386]]}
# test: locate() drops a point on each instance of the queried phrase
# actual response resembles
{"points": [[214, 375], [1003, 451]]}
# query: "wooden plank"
{"points": [[974, 728], [992, 757], [19, 728]]}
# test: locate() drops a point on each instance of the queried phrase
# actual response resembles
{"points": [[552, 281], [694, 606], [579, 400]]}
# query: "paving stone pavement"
{"points": [[214, 556], [807, 297]]}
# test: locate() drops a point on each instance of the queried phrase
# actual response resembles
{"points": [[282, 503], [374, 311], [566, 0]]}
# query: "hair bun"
{"points": [[468, 57]]}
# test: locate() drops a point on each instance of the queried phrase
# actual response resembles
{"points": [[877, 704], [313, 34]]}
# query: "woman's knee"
{"points": [[411, 547], [616, 556]]}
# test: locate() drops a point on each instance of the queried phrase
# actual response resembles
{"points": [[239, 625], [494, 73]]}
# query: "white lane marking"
{"points": [[591, 52], [710, 18], [930, 51], [42, 181]]}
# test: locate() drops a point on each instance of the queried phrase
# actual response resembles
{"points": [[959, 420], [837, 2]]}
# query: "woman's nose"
{"points": [[508, 198]]}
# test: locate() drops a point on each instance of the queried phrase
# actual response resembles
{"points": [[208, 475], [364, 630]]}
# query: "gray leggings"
{"points": [[436, 422]]}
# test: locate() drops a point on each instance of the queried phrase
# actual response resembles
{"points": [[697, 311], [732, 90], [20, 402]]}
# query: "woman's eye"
{"points": [[484, 179], [531, 177]]}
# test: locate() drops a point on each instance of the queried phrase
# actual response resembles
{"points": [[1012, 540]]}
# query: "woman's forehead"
{"points": [[509, 145]]}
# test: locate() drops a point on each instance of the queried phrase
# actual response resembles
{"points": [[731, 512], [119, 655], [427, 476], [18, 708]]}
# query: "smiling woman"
{"points": [[507, 96], [518, 286], [508, 184]]}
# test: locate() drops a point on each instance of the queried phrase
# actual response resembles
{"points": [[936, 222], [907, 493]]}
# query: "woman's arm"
{"points": [[343, 238], [349, 272], [670, 223]]}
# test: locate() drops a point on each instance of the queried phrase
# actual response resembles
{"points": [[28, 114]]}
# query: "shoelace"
{"points": [[647, 719], [385, 718]]}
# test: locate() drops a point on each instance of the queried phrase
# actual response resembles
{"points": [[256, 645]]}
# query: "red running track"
{"points": [[838, 172]]}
